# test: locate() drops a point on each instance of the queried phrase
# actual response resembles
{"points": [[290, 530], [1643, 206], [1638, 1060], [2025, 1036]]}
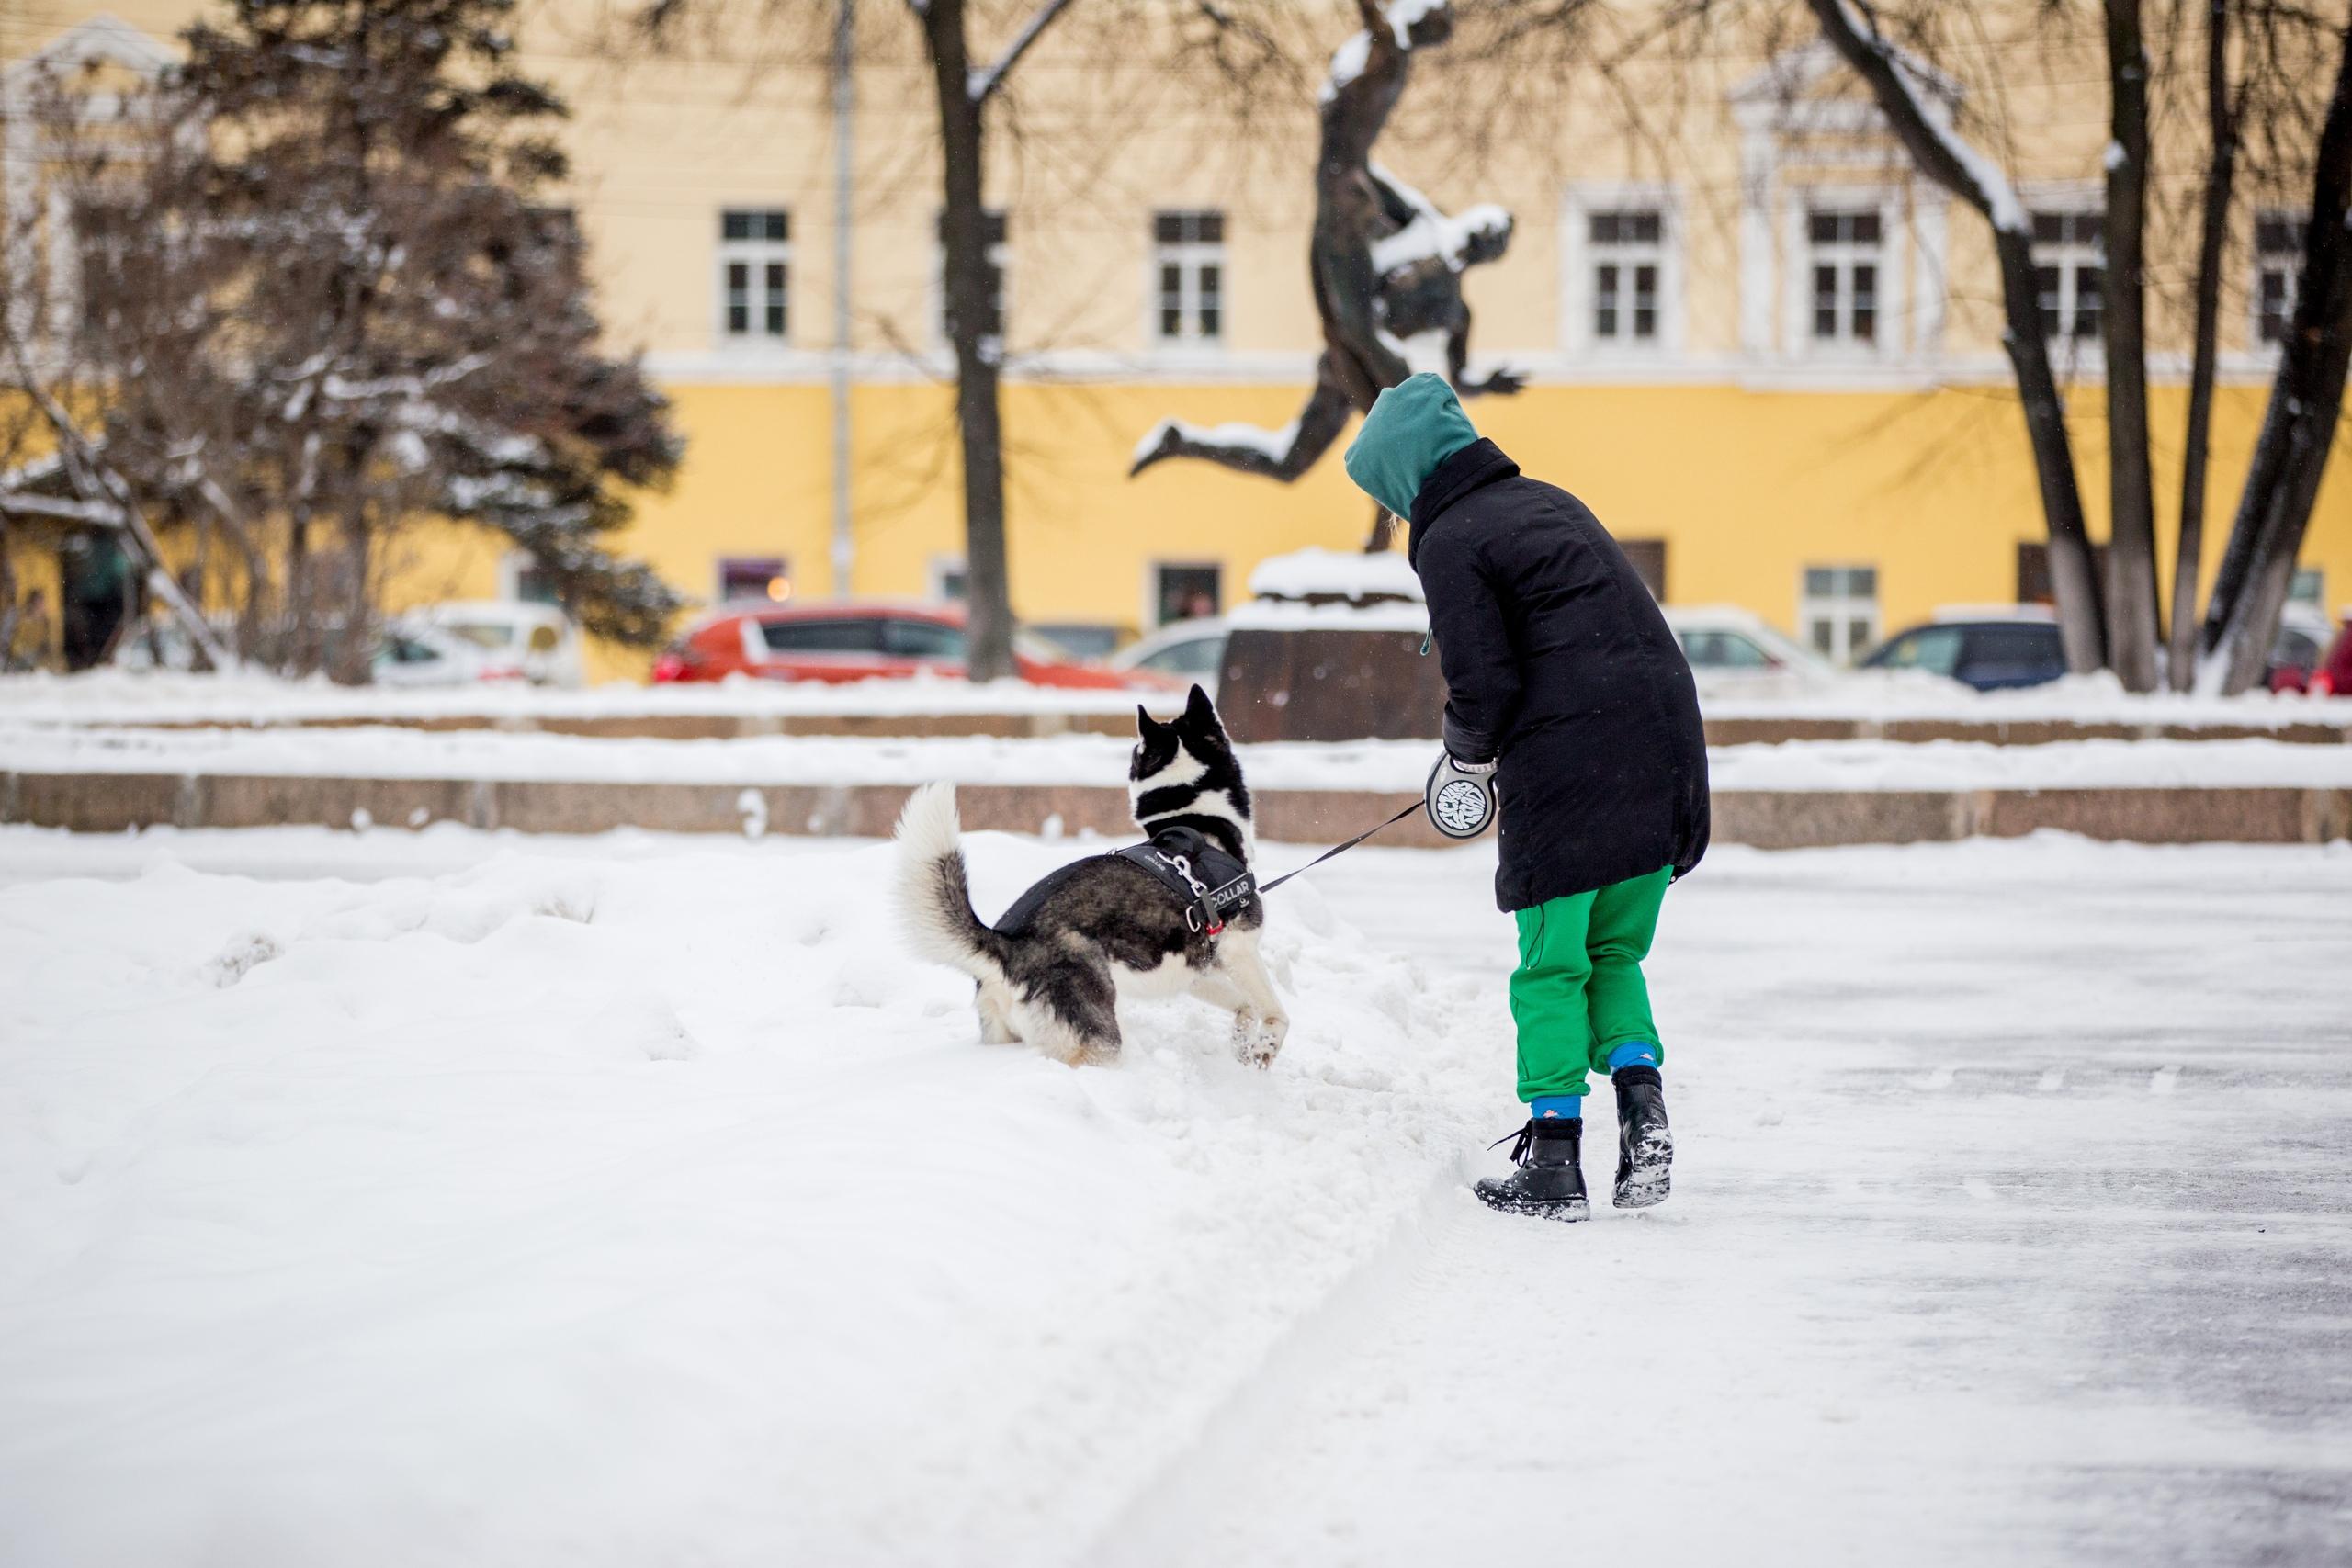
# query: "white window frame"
{"points": [[1000, 257], [2070, 256], [756, 255], [1151, 619], [939, 569], [1580, 259], [1189, 257], [1840, 608], [2288, 263], [1889, 256]]}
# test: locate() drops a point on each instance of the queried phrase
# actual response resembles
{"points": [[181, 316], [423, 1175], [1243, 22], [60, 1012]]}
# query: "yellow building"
{"points": [[1762, 351]]}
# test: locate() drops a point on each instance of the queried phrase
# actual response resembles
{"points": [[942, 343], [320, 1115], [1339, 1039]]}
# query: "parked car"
{"points": [[2333, 678], [538, 639], [413, 654], [1183, 651], [407, 652], [1736, 652], [1086, 639], [864, 641], [1990, 650], [2001, 647]]}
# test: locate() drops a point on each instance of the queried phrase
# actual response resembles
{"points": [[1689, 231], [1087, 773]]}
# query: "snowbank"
{"points": [[118, 697], [647, 1208], [1378, 765], [111, 697], [1348, 573]]}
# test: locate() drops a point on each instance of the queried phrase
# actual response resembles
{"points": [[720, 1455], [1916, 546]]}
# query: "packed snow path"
{"points": [[2013, 1224], [386, 1198]]}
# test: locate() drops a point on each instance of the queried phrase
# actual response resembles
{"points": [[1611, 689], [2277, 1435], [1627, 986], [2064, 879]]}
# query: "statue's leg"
{"points": [[1281, 453]]}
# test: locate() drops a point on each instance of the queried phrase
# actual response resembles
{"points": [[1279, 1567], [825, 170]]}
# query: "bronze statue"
{"points": [[1387, 265]]}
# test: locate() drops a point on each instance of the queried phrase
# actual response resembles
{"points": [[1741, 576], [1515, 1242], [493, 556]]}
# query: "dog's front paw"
{"points": [[1257, 1041]]}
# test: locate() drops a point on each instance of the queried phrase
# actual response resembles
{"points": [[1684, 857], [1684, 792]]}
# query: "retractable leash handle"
{"points": [[1460, 797]]}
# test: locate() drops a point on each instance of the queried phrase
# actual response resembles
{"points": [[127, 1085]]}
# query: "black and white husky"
{"points": [[1051, 972]]}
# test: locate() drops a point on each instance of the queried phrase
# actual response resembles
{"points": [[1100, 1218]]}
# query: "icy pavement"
{"points": [[462, 1198]]}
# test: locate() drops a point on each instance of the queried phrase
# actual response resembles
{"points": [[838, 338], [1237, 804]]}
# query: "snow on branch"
{"points": [[982, 83], [1921, 118]]}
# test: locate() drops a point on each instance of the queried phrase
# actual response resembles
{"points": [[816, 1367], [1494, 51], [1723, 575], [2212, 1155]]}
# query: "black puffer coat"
{"points": [[1557, 661]]}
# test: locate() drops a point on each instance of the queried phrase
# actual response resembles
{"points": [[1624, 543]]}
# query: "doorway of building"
{"points": [[96, 585]]}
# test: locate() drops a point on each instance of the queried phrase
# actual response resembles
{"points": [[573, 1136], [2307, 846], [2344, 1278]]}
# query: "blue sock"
{"points": [[1633, 1054], [1568, 1105]]}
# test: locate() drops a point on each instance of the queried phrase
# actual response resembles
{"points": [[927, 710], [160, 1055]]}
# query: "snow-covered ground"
{"points": [[462, 1198], [380, 752], [109, 696]]}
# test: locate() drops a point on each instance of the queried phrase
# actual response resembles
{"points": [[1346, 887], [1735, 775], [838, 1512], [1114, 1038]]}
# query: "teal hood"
{"points": [[1413, 427]]}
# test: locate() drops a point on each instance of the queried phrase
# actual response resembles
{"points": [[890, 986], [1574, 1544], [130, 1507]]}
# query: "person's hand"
{"points": [[1461, 796]]}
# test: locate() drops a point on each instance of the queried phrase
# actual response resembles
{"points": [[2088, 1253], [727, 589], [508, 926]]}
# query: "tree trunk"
{"points": [[1927, 134], [2073, 566], [978, 352], [2299, 426], [2131, 630], [2212, 245]]}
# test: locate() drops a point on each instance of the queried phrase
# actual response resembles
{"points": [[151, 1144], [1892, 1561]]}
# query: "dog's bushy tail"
{"points": [[934, 894]]}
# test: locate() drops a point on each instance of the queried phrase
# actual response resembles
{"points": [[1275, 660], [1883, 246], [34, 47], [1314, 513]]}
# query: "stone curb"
{"points": [[112, 803]]}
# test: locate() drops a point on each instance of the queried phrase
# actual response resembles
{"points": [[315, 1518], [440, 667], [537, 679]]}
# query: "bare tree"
{"points": [[2222, 110], [1922, 121], [2132, 632], [2299, 426]]}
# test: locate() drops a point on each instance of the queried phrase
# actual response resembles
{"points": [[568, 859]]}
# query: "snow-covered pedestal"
{"points": [[1331, 648]]}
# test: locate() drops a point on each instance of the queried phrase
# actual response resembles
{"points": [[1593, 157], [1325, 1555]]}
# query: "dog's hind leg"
{"points": [[1070, 1012], [995, 1005]]}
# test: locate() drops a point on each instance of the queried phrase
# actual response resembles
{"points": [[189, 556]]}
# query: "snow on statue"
{"points": [[1386, 264]]}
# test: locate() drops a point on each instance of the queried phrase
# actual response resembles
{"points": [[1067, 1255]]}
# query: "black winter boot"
{"points": [[1548, 1183], [1644, 1143]]}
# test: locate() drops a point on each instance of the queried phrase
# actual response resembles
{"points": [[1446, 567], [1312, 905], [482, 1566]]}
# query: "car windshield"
{"points": [[1193, 655], [1724, 650], [1935, 649], [1041, 649]]}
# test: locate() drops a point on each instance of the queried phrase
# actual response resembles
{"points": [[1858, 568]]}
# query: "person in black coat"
{"points": [[1567, 690]]}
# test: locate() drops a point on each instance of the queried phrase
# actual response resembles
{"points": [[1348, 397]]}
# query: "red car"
{"points": [[854, 641], [2333, 676]]}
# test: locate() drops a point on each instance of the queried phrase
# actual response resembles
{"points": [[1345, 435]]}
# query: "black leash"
{"points": [[1264, 888]]}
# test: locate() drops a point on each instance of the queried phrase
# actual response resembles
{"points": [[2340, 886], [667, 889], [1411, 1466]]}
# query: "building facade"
{"points": [[1762, 351]]}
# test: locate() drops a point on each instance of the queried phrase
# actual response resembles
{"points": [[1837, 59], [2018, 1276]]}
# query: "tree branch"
{"points": [[984, 83], [1921, 123]]}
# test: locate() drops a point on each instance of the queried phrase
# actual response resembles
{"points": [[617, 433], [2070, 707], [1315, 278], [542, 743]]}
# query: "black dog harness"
{"points": [[1188, 863]]}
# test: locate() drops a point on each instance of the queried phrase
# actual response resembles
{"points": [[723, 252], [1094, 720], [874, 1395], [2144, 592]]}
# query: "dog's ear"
{"points": [[1202, 712], [1146, 725]]}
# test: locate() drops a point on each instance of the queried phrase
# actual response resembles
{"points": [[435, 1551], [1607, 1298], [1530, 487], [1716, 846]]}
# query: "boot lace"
{"points": [[1526, 1140]]}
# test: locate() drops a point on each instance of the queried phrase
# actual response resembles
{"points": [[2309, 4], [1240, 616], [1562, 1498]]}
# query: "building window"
{"points": [[994, 227], [1838, 610], [1186, 592], [534, 584], [1627, 256], [754, 577], [1188, 262], [2034, 584], [1648, 560], [950, 578], [1845, 253], [2308, 587], [2278, 273], [2070, 273], [754, 274]]}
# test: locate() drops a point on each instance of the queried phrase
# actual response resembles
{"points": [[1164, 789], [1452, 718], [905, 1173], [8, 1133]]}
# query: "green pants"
{"points": [[1578, 992]]}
